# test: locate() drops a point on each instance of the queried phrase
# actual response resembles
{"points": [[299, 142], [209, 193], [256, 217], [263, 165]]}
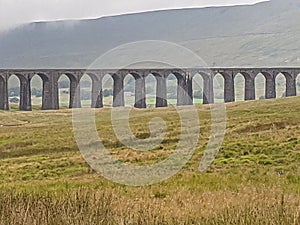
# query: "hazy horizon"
{"points": [[13, 14]]}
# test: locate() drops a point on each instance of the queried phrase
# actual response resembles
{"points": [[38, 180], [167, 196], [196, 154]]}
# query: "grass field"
{"points": [[255, 178]]}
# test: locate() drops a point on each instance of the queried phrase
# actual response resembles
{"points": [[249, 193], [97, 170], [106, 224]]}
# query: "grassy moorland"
{"points": [[255, 178]]}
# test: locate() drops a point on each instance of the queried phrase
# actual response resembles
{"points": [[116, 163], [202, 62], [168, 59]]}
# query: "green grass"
{"points": [[255, 178]]}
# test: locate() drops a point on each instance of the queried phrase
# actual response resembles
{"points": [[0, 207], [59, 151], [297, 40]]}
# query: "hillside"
{"points": [[264, 34]]}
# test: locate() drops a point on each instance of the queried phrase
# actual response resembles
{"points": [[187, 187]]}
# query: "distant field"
{"points": [[255, 178]]}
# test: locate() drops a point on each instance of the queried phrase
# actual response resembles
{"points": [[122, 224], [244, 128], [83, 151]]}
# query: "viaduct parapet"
{"points": [[50, 77]]}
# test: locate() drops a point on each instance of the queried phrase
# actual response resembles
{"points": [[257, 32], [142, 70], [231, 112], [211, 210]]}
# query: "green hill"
{"points": [[264, 34]]}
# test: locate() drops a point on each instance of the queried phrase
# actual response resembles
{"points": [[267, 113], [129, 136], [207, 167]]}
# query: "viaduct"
{"points": [[50, 77]]}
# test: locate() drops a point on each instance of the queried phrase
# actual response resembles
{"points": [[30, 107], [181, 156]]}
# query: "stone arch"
{"points": [[70, 76], [38, 82], [198, 88], [172, 89], [118, 89], [86, 84], [64, 91], [161, 90], [151, 89], [135, 75], [249, 86], [290, 81], [184, 88], [74, 89], [270, 88], [139, 89], [95, 89], [208, 91], [280, 81], [228, 86], [16, 93], [43, 76], [247, 76], [260, 86], [107, 87], [130, 89], [239, 87], [219, 87]]}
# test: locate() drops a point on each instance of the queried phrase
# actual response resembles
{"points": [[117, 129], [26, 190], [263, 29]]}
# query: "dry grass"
{"points": [[254, 180], [86, 206]]}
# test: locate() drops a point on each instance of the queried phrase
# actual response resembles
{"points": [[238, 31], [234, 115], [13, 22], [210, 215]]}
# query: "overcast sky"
{"points": [[14, 12]]}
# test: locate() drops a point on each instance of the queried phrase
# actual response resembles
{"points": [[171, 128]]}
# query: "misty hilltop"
{"points": [[264, 34]]}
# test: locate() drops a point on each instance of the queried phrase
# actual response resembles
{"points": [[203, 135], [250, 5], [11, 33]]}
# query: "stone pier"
{"points": [[184, 76]]}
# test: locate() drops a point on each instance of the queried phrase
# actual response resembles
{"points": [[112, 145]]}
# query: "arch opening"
{"points": [[86, 90], [280, 83], [129, 90], [260, 86], [198, 87], [172, 86], [107, 90], [239, 87], [73, 91], [13, 89], [64, 91], [151, 85], [37, 91], [218, 87]]}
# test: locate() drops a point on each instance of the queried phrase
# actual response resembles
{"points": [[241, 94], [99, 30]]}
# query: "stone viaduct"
{"points": [[50, 77]]}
